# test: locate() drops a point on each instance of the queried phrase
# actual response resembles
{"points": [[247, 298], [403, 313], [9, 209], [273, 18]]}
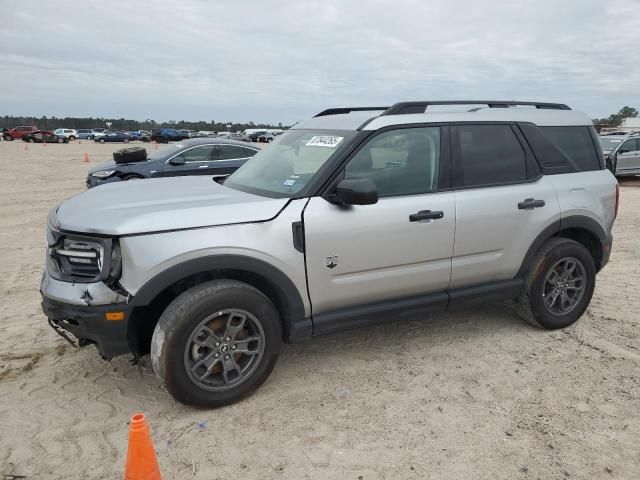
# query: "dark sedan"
{"points": [[114, 137], [44, 136], [198, 156]]}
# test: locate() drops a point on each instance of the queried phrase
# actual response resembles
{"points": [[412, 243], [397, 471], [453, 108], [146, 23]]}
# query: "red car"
{"points": [[19, 132], [43, 136]]}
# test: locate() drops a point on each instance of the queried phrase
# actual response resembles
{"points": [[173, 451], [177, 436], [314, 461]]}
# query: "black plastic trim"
{"points": [[88, 325], [402, 108], [381, 312], [342, 110], [489, 292], [298, 236], [296, 325]]}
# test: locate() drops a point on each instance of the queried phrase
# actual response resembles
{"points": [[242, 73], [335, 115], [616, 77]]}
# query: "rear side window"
{"points": [[562, 149], [487, 155]]}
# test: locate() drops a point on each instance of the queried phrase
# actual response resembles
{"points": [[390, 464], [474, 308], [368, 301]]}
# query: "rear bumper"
{"points": [[88, 325]]}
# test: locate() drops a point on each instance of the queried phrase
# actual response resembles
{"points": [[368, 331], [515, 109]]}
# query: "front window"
{"points": [[288, 164]]}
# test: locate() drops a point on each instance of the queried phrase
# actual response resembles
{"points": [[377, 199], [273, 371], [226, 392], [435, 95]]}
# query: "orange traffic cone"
{"points": [[86, 157], [142, 463]]}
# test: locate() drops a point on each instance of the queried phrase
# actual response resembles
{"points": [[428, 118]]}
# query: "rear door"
{"points": [[230, 158], [628, 157], [502, 202]]}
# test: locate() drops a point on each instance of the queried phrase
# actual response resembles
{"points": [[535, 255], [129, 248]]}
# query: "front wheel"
{"points": [[61, 140], [32, 140], [559, 284], [72, 138], [216, 343], [101, 140]]}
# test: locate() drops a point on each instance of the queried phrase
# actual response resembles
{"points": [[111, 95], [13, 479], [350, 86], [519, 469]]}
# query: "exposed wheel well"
{"points": [[144, 318], [589, 240]]}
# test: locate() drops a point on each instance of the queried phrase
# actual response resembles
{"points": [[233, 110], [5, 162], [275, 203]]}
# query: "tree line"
{"points": [[615, 119], [51, 123]]}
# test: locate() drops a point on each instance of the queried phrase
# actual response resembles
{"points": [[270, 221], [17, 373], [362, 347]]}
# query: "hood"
{"points": [[153, 205]]}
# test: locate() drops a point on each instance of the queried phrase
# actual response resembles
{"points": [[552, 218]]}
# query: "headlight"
{"points": [[103, 173]]}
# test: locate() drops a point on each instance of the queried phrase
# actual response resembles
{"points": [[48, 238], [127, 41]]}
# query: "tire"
{"points": [[32, 140], [61, 140], [130, 155], [8, 138], [72, 138], [126, 140], [101, 140], [175, 356], [539, 287], [131, 177]]}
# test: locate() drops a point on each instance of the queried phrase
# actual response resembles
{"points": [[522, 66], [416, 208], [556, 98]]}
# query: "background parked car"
{"points": [[18, 132], [134, 134], [69, 133], [198, 156], [265, 137], [44, 136], [622, 153], [113, 136], [165, 135], [85, 133]]}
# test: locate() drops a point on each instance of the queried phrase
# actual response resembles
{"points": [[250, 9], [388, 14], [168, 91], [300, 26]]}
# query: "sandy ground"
{"points": [[476, 394]]}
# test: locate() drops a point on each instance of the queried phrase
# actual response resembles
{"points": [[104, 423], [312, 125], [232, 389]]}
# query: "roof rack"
{"points": [[338, 111], [420, 107]]}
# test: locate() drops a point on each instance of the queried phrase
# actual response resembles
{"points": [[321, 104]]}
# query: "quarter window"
{"points": [[488, 155], [400, 162], [576, 144]]}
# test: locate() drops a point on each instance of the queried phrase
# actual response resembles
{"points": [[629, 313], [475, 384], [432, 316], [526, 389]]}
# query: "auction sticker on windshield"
{"points": [[324, 141]]}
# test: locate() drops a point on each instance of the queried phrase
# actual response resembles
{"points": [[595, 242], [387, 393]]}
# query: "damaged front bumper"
{"points": [[78, 312]]}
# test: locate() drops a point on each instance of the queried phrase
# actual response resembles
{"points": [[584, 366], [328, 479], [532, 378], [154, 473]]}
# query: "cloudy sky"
{"points": [[286, 60]]}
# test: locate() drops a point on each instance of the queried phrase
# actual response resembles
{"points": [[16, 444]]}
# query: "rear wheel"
{"points": [[559, 284], [216, 343], [71, 138], [61, 140]]}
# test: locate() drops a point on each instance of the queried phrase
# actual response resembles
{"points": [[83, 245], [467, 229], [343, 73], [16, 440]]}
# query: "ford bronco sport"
{"points": [[356, 216]]}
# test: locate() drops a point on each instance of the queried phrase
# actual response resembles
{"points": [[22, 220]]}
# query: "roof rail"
{"points": [[338, 111], [420, 107]]}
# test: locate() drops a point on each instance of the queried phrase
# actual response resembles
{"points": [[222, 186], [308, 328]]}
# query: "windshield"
{"points": [[286, 166], [165, 152], [609, 143]]}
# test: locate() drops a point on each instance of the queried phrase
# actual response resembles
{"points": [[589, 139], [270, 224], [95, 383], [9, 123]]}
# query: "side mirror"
{"points": [[356, 191], [177, 161]]}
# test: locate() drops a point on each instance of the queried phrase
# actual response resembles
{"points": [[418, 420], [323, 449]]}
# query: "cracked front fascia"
{"points": [[81, 294]]}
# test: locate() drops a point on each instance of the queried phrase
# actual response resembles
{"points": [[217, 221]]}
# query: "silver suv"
{"points": [[356, 216]]}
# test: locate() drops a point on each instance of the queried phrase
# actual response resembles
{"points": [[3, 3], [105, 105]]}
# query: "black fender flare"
{"points": [[297, 326], [572, 221]]}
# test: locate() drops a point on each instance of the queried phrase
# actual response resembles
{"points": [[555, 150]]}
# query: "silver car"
{"points": [[354, 217], [622, 153]]}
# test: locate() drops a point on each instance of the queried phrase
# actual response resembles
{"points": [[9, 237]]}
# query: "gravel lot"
{"points": [[472, 394]]}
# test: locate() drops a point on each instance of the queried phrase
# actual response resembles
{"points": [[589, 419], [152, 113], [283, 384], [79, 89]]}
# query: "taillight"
{"points": [[617, 200]]}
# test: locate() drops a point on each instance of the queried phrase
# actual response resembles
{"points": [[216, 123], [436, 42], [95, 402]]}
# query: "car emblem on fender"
{"points": [[331, 262]]}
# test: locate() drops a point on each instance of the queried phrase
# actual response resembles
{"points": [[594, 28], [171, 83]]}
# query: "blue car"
{"points": [[165, 135], [114, 137]]}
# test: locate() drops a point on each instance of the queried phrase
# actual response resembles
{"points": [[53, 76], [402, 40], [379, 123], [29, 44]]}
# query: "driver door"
{"points": [[628, 157], [364, 254], [198, 160]]}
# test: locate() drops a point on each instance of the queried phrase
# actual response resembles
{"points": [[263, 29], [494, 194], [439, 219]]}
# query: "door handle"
{"points": [[426, 215], [530, 204]]}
